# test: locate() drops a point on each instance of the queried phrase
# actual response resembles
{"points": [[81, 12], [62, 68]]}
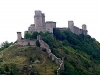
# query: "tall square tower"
{"points": [[39, 21]]}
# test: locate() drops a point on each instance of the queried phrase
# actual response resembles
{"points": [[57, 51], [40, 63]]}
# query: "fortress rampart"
{"points": [[41, 26], [77, 30]]}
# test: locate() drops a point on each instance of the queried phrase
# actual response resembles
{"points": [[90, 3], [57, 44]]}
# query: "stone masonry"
{"points": [[77, 30], [40, 24], [58, 61]]}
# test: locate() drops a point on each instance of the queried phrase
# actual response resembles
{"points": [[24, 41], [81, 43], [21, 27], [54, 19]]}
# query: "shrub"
{"points": [[44, 49], [37, 43]]}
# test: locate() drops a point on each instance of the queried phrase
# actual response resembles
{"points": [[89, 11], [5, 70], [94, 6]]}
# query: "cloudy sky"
{"points": [[17, 15]]}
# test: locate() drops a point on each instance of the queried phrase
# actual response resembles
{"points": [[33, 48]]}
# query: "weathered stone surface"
{"points": [[77, 30]]}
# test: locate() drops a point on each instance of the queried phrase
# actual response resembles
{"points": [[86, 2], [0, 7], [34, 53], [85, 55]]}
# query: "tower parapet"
{"points": [[37, 13]]}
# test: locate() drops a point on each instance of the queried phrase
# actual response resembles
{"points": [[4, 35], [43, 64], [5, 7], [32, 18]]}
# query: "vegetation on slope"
{"points": [[80, 42], [81, 54], [23, 60]]}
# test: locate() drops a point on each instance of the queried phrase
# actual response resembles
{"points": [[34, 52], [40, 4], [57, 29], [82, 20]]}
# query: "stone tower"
{"points": [[84, 27], [19, 36], [71, 26], [39, 21]]}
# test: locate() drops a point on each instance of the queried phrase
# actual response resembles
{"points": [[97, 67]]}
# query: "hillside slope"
{"points": [[27, 59], [81, 52], [81, 55]]}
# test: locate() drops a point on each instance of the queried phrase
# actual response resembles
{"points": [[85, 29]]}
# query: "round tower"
{"points": [[84, 27], [19, 36], [71, 26]]}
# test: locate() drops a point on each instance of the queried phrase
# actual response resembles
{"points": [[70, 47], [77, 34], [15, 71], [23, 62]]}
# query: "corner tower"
{"points": [[19, 36], [71, 26], [84, 27]]}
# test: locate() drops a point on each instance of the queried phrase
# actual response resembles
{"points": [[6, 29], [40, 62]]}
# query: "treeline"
{"points": [[79, 42]]}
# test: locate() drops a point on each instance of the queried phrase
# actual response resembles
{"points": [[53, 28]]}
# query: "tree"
{"points": [[1, 71], [37, 43], [6, 68], [27, 36], [34, 35]]}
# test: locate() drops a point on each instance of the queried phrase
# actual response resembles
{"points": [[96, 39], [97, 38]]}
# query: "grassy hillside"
{"points": [[23, 58], [81, 55]]}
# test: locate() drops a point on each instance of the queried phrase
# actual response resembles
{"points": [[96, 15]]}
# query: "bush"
{"points": [[31, 59], [1, 59], [37, 43], [1, 71], [27, 36], [44, 49]]}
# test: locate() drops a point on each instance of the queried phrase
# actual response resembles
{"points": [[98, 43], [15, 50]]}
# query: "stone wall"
{"points": [[77, 30], [58, 61], [31, 28], [25, 42], [50, 25], [62, 29]]}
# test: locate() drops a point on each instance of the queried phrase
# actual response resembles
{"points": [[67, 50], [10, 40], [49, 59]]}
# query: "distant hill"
{"points": [[81, 55]]}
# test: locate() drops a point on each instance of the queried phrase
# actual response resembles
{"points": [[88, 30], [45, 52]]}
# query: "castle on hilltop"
{"points": [[41, 26]]}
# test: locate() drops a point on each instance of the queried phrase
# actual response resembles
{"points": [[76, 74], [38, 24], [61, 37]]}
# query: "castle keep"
{"points": [[41, 26]]}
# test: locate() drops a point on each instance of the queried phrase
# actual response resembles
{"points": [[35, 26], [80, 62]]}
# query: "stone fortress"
{"points": [[41, 26]]}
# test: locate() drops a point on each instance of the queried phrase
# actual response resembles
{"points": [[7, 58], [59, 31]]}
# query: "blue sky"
{"points": [[17, 15]]}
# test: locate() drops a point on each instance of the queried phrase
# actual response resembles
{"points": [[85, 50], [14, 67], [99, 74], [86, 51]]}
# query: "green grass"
{"points": [[20, 55]]}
